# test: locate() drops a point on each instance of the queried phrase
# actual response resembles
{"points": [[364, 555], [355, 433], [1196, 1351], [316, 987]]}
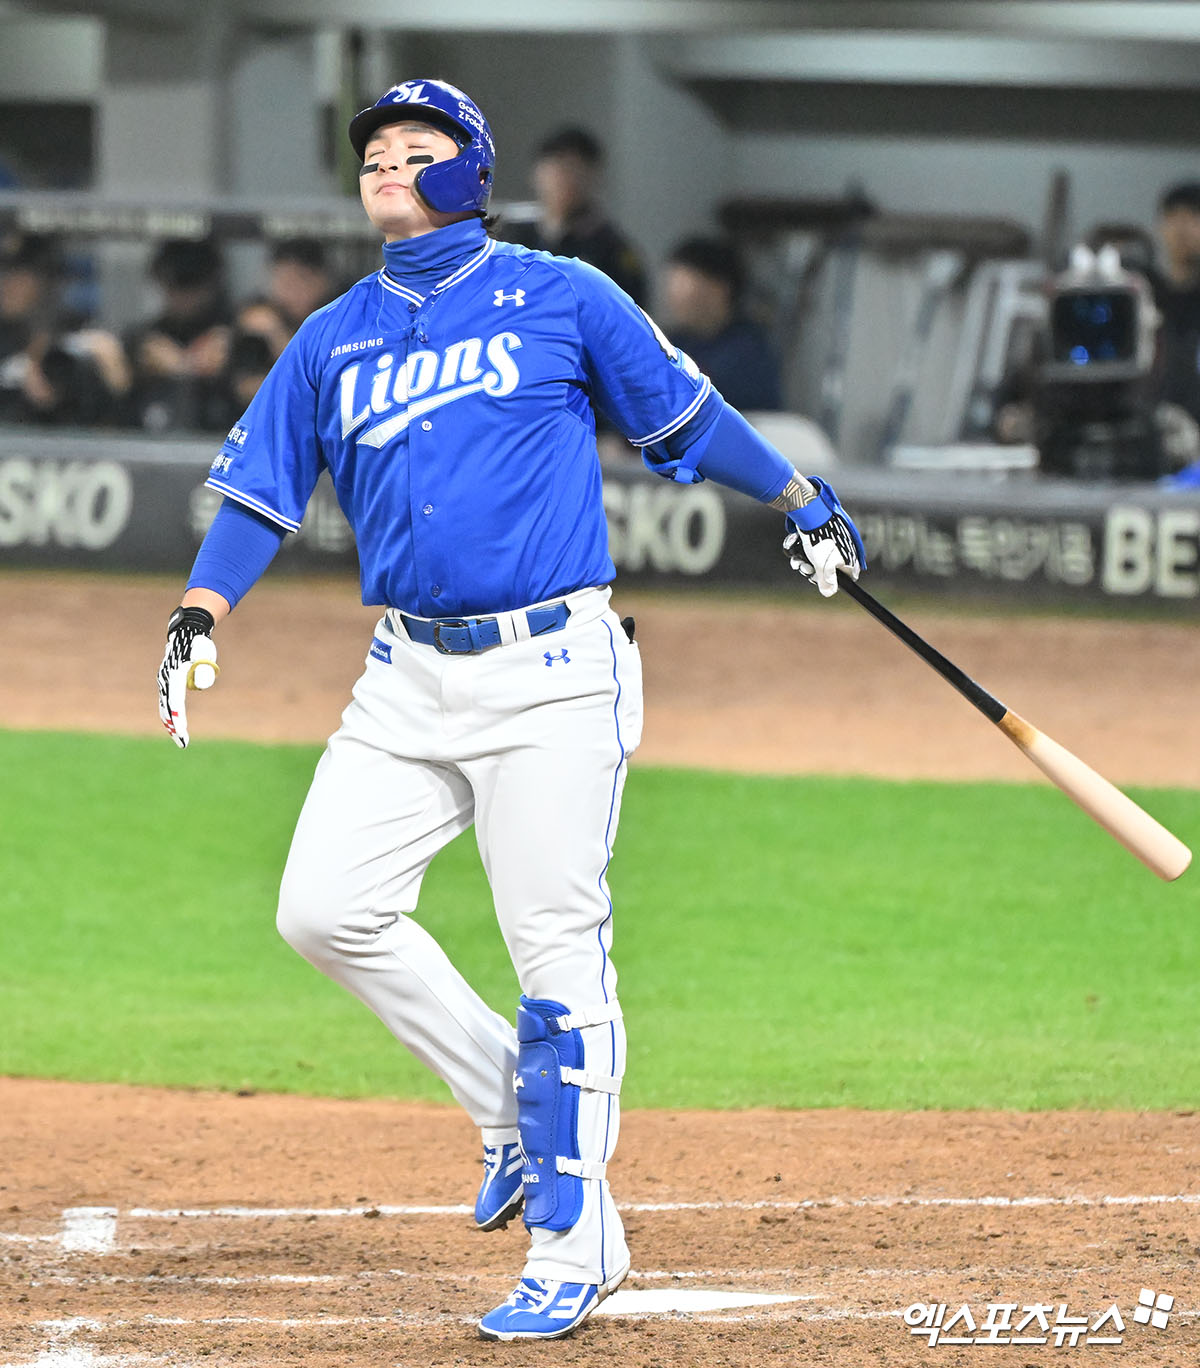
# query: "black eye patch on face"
{"points": [[368, 168], [419, 159]]}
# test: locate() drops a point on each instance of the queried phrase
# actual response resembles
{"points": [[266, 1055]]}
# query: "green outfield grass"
{"points": [[782, 942]]}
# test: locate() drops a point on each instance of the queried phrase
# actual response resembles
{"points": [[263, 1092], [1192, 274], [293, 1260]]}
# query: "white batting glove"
{"points": [[189, 662], [819, 561], [822, 540]]}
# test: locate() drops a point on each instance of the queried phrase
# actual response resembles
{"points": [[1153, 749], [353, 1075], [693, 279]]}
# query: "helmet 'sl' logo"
{"points": [[411, 92]]}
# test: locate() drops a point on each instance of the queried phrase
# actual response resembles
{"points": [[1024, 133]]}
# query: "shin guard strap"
{"points": [[590, 1082], [599, 1015], [581, 1168]]}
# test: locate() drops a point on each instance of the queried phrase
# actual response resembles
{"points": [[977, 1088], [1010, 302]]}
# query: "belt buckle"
{"points": [[437, 638]]}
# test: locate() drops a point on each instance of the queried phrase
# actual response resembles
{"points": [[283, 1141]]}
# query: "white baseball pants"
{"points": [[529, 741]]}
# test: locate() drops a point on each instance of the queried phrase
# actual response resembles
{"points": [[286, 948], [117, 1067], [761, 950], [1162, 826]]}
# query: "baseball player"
{"points": [[450, 395]]}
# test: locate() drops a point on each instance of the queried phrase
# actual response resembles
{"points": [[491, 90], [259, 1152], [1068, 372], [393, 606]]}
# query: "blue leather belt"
{"points": [[468, 636]]}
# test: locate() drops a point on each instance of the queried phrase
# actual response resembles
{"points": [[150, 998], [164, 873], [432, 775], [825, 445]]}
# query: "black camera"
{"points": [[1095, 411], [1090, 328]]}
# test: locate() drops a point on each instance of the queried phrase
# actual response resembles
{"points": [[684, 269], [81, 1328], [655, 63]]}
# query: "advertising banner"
{"points": [[114, 502]]}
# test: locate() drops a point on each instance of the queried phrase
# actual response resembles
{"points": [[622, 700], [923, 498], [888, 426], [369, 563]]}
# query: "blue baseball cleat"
{"points": [[501, 1193], [541, 1309]]}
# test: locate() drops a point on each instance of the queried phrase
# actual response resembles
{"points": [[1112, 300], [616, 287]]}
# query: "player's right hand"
{"points": [[822, 540], [189, 662]]}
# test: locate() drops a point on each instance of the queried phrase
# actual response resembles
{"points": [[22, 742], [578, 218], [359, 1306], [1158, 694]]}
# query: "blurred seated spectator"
{"points": [[264, 318], [259, 334], [1177, 423], [299, 279], [1176, 287], [703, 315], [180, 356], [27, 305], [251, 356], [572, 221], [53, 368], [82, 379]]}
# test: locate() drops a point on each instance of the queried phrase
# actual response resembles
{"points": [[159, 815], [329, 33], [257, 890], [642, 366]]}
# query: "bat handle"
{"points": [[974, 693]]}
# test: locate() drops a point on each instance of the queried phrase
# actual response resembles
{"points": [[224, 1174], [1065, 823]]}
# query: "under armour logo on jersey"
{"points": [[552, 656], [518, 298]]}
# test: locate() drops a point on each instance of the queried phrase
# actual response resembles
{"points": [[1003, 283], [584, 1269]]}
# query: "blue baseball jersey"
{"points": [[454, 414]]}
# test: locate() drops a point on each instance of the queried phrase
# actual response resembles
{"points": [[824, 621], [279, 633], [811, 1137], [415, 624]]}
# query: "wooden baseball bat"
{"points": [[1117, 813]]}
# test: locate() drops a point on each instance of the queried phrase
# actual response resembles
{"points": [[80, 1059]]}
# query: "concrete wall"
{"points": [[50, 58], [201, 111], [668, 161], [954, 175]]}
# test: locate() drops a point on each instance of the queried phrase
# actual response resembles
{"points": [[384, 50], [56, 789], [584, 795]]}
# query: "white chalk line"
{"points": [[367, 1277], [228, 1280], [89, 1230], [93, 1230], [426, 1320], [411, 1320], [807, 1204], [61, 1355], [783, 1305]]}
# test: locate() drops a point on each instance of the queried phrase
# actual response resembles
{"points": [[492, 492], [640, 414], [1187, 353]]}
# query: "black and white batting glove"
{"points": [[822, 540], [189, 662]]}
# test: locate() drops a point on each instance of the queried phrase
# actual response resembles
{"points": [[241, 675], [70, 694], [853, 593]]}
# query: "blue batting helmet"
{"points": [[464, 183]]}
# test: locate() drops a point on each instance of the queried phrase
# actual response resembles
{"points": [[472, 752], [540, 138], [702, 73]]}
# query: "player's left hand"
{"points": [[189, 662], [822, 540]]}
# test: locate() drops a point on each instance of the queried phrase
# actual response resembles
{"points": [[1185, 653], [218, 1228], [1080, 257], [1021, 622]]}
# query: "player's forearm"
{"points": [[734, 454], [236, 550], [209, 600]]}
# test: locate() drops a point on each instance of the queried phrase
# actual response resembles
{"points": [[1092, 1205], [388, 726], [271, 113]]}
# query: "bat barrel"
{"points": [[1157, 848]]}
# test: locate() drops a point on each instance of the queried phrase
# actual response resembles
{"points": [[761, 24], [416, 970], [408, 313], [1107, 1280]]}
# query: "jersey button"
{"points": [[426, 426], [427, 510], [436, 590], [412, 308]]}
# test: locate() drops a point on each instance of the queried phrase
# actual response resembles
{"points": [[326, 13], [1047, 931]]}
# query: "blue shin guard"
{"points": [[550, 1077]]}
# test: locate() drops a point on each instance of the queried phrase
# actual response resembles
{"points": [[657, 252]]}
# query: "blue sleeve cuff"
{"points": [[236, 550], [731, 452]]}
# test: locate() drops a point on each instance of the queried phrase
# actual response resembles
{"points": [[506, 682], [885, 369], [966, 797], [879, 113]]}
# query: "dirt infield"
{"points": [[854, 1216], [807, 687], [188, 1228]]}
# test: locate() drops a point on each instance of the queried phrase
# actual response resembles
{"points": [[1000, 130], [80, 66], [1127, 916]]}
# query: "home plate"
{"points": [[671, 1299]]}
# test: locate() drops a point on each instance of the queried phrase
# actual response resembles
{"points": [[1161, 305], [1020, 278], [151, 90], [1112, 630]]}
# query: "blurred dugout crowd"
{"points": [[195, 363]]}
